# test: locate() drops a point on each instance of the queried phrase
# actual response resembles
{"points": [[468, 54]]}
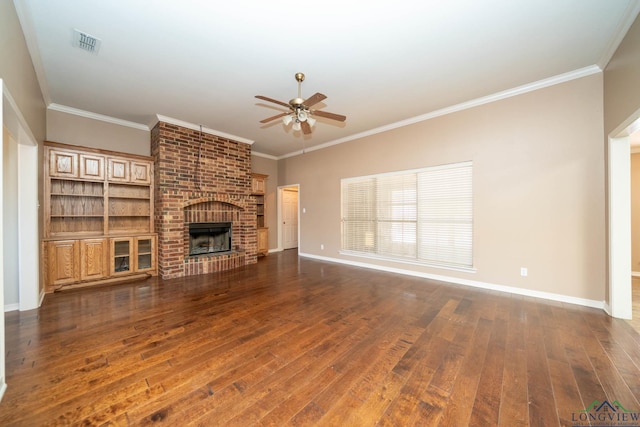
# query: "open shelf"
{"points": [[67, 225], [127, 224], [129, 191], [67, 187]]}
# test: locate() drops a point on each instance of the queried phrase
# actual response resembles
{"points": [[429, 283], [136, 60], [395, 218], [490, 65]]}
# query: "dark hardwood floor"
{"points": [[292, 341]]}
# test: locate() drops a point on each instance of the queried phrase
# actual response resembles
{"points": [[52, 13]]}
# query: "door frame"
{"points": [[280, 229], [619, 218]]}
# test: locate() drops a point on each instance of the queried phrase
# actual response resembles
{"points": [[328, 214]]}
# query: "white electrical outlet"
{"points": [[322, 247], [524, 271]]}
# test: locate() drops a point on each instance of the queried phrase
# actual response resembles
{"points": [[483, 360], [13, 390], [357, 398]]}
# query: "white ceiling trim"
{"points": [[205, 129], [551, 81], [630, 16], [96, 116], [266, 156]]}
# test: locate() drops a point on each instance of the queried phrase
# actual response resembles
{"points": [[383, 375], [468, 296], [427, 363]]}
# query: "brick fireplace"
{"points": [[201, 178]]}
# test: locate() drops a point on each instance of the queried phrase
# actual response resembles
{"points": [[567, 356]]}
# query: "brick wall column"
{"points": [[190, 167]]}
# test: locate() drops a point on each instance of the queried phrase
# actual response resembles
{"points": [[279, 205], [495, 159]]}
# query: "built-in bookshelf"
{"points": [[258, 189], [97, 204]]}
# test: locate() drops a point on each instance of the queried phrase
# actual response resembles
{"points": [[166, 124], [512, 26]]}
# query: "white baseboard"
{"points": [[466, 282], [16, 306], [607, 308], [11, 307]]}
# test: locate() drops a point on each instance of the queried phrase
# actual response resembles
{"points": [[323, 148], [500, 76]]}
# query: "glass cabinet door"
{"points": [[121, 256], [144, 253]]}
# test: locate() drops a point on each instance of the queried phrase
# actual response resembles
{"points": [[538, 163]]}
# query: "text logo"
{"points": [[606, 414]]}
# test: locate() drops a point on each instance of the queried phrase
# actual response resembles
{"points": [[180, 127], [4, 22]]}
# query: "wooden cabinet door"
{"points": [[93, 259], [63, 164], [63, 261], [91, 167], [141, 172], [258, 184], [263, 241], [118, 170]]}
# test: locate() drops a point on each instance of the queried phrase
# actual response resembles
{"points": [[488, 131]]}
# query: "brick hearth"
{"points": [[201, 178]]}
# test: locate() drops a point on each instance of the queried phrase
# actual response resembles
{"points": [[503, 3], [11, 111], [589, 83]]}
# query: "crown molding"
{"points": [[96, 116], [266, 156], [630, 16], [530, 87], [205, 129]]}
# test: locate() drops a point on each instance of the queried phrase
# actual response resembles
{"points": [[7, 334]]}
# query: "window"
{"points": [[424, 215]]}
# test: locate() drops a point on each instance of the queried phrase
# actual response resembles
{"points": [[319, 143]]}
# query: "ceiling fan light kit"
{"points": [[300, 112]]}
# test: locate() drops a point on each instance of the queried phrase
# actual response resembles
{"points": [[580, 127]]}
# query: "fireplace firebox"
{"points": [[209, 238]]}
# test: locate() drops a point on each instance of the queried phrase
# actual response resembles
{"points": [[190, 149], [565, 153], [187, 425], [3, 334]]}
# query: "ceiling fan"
{"points": [[300, 112]]}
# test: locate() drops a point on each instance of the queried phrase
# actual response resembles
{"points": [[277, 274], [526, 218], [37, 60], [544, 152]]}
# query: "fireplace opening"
{"points": [[209, 238]]}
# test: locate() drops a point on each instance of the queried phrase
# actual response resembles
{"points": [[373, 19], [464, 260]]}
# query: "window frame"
{"points": [[369, 187]]}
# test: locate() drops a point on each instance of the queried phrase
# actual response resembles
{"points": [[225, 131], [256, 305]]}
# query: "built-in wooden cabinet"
{"points": [[258, 183], [258, 190], [63, 258], [93, 259], [263, 241], [133, 254], [93, 200]]}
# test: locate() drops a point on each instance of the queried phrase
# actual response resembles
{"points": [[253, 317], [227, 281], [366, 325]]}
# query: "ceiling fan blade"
{"points": [[264, 98], [306, 129], [277, 116], [314, 99], [332, 116]]}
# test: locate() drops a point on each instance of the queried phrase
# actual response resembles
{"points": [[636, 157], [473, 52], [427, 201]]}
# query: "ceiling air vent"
{"points": [[86, 42]]}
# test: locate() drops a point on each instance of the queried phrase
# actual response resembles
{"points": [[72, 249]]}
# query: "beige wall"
{"points": [[538, 186], [635, 212], [269, 167], [78, 130], [16, 69], [19, 78], [622, 81]]}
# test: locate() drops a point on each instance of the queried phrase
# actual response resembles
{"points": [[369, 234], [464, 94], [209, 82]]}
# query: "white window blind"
{"points": [[423, 215]]}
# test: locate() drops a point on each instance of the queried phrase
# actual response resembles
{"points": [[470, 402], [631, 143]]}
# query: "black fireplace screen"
{"points": [[209, 238]]}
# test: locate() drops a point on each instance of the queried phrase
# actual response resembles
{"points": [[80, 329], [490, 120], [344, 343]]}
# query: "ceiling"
{"points": [[380, 63]]}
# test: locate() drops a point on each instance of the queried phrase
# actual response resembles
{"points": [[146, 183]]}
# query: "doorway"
{"points": [[19, 211], [288, 209], [619, 210]]}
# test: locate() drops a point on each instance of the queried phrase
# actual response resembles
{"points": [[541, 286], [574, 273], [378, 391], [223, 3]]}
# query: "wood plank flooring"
{"points": [[294, 341]]}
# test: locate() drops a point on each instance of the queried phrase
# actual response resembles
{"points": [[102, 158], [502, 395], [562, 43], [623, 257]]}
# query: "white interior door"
{"points": [[290, 218]]}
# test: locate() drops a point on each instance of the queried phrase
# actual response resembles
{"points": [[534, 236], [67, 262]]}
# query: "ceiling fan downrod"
{"points": [[297, 103]]}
